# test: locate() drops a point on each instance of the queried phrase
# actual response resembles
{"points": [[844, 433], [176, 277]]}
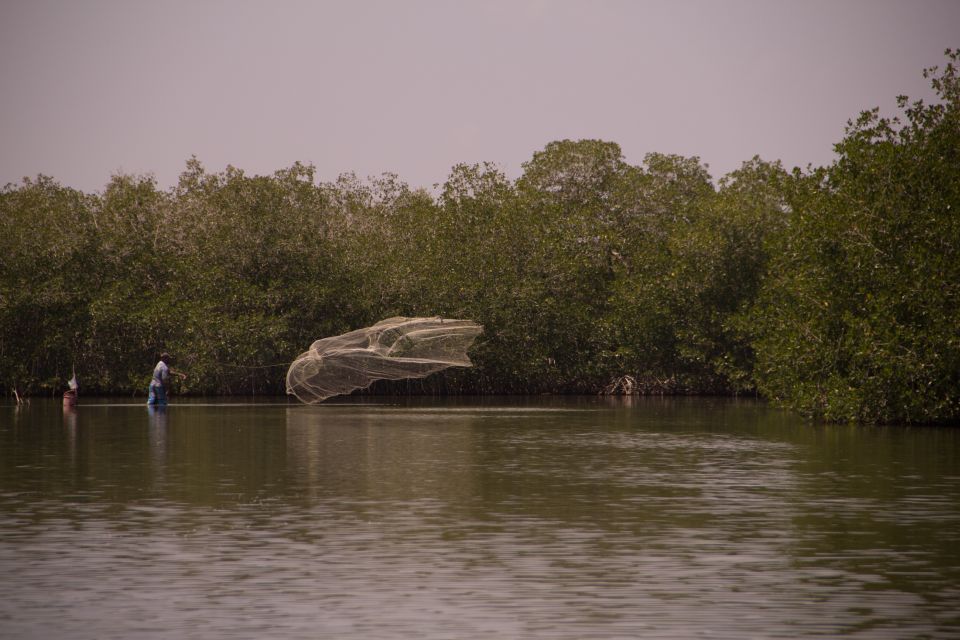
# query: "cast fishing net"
{"points": [[392, 349]]}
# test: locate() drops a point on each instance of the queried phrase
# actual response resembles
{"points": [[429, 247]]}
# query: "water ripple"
{"points": [[385, 523]]}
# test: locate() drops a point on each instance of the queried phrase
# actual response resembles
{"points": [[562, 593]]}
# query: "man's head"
{"points": [[165, 358]]}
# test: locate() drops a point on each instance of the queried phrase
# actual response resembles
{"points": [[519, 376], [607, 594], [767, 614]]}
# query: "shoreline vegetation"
{"points": [[834, 291]]}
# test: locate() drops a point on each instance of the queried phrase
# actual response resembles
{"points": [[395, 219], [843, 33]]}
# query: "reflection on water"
{"points": [[546, 518]]}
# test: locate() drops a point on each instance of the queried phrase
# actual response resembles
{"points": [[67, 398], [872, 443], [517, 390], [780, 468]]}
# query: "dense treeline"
{"points": [[833, 290]]}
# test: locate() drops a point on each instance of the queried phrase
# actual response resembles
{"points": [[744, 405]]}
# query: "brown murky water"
{"points": [[473, 518]]}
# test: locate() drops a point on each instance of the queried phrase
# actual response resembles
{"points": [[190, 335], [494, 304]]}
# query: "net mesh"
{"points": [[392, 349]]}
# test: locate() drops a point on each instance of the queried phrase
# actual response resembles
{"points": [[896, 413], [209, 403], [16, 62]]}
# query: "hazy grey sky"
{"points": [[93, 88]]}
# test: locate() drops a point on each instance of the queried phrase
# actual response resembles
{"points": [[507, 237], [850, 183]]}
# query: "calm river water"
{"points": [[473, 518]]}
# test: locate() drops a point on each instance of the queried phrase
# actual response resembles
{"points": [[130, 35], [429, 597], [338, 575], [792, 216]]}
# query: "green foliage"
{"points": [[859, 318], [834, 291], [48, 260]]}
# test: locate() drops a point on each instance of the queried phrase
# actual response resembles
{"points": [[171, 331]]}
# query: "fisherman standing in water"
{"points": [[161, 381]]}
